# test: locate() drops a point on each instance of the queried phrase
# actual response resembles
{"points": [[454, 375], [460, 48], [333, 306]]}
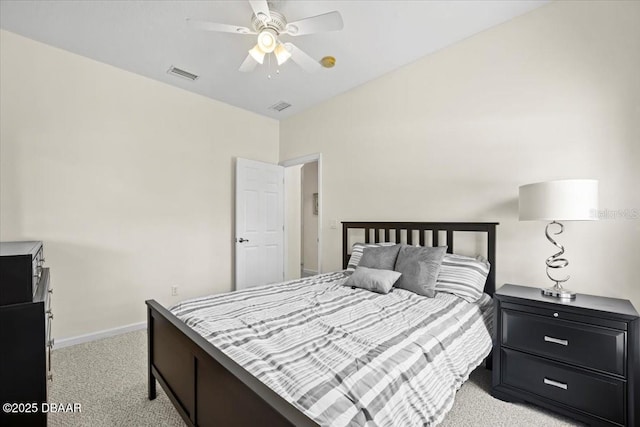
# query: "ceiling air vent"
{"points": [[182, 73], [282, 105]]}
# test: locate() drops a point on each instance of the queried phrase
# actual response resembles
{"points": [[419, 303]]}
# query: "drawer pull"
{"points": [[547, 381], [556, 340]]}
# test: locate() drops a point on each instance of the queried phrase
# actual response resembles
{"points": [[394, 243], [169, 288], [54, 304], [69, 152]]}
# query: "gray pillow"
{"points": [[419, 267], [373, 279], [383, 258], [356, 254]]}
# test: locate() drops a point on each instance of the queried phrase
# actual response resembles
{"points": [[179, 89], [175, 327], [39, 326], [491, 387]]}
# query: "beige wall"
{"points": [[127, 180], [309, 219], [552, 94]]}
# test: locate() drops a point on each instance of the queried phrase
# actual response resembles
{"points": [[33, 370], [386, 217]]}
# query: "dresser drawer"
{"points": [[575, 343], [589, 392]]}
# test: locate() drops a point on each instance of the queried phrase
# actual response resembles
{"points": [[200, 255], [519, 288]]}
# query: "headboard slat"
{"points": [[422, 228]]}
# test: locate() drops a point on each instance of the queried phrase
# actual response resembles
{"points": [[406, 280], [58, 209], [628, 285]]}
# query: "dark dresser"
{"points": [[579, 357], [25, 333]]}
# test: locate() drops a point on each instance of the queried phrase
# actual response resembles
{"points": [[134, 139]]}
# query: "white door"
{"points": [[259, 223]]}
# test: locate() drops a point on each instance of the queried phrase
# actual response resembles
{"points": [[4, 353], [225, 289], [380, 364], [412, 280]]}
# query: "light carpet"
{"points": [[109, 379]]}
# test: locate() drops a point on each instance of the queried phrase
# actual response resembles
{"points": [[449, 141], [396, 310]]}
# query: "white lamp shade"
{"points": [[568, 200], [257, 54], [282, 54]]}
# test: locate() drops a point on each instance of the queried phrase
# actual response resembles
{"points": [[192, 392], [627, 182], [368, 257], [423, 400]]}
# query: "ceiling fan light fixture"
{"points": [[267, 40], [282, 54], [257, 54], [268, 24]]}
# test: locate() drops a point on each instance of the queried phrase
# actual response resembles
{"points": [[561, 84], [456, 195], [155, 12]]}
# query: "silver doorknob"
{"points": [[241, 240]]}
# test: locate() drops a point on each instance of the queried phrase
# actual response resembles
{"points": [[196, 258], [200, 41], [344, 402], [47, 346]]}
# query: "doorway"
{"points": [[309, 221], [303, 216]]}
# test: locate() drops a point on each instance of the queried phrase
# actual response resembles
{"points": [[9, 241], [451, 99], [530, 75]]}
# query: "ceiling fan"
{"points": [[269, 25]]}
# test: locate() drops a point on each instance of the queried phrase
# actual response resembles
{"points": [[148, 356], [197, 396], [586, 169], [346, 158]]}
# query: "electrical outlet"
{"points": [[174, 291]]}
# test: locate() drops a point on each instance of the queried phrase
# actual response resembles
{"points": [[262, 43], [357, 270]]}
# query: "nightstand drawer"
{"points": [[589, 392], [575, 343]]}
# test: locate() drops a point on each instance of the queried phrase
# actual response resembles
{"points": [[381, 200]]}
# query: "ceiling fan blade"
{"points": [[214, 26], [331, 21], [249, 64], [261, 9], [298, 56]]}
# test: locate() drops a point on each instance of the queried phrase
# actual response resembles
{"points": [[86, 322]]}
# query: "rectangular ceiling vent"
{"points": [[282, 105], [182, 73]]}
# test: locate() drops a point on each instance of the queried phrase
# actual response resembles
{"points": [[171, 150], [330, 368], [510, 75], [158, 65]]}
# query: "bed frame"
{"points": [[209, 389]]}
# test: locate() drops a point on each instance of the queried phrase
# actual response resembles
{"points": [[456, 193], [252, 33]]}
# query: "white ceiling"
{"points": [[147, 37]]}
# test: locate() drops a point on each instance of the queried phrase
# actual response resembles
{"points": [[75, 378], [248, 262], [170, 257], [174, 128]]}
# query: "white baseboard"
{"points": [[307, 272], [66, 342]]}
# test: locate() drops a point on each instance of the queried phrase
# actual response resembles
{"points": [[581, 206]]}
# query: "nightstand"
{"points": [[580, 357]]}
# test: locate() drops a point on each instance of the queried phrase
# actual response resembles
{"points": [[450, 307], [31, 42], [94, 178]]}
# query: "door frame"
{"points": [[309, 158]]}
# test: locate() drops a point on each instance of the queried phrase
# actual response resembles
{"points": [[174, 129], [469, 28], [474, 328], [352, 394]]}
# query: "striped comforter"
{"points": [[349, 357]]}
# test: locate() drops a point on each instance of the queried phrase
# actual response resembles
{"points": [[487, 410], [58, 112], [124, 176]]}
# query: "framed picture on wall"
{"points": [[315, 203]]}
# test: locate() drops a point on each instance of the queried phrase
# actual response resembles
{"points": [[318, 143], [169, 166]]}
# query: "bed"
{"points": [[314, 352]]}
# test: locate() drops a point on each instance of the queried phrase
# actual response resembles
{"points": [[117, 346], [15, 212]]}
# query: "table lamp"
{"points": [[562, 200]]}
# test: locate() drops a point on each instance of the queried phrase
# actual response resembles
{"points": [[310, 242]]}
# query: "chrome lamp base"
{"points": [[558, 291], [556, 262]]}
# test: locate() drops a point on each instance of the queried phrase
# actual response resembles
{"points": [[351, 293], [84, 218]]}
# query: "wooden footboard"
{"points": [[207, 387]]}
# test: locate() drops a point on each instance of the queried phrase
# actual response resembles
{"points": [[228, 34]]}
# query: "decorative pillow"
{"points": [[373, 279], [356, 253], [383, 257], [463, 276], [419, 267]]}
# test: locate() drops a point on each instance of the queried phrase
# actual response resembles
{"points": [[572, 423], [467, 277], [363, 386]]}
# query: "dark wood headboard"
{"points": [[376, 232]]}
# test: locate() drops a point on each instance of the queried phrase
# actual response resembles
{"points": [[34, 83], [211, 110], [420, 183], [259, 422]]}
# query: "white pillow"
{"points": [[463, 276]]}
